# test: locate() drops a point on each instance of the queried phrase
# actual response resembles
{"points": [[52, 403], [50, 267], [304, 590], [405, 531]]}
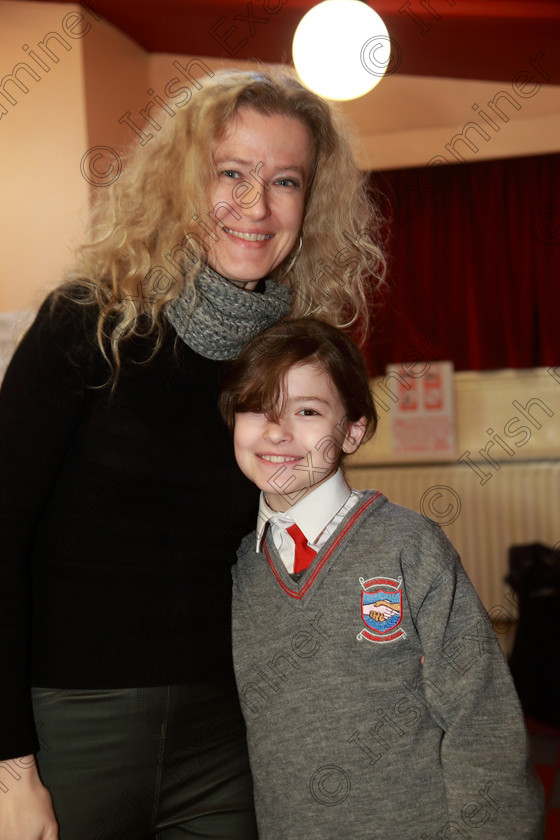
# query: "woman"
{"points": [[122, 505]]}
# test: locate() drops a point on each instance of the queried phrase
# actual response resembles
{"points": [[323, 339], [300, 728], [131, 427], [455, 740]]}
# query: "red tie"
{"points": [[304, 554]]}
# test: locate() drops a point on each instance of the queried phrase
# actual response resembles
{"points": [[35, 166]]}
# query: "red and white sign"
{"points": [[423, 416]]}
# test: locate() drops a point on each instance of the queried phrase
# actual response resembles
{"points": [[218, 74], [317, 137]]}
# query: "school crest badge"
{"points": [[381, 605]]}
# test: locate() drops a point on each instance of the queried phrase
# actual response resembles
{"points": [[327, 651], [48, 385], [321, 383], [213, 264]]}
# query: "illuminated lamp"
{"points": [[341, 49]]}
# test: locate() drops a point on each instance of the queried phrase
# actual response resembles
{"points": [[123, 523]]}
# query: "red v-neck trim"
{"points": [[299, 594]]}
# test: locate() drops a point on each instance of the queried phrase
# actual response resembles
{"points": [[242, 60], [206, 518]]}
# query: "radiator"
{"points": [[518, 504]]}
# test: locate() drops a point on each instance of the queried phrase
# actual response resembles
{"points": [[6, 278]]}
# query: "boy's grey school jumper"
{"points": [[351, 737]]}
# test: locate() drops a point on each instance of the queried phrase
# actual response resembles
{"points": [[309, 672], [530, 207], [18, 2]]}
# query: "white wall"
{"points": [[484, 400]]}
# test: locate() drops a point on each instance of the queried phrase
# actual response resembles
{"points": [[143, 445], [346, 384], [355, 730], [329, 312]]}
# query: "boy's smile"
{"points": [[279, 459], [303, 447]]}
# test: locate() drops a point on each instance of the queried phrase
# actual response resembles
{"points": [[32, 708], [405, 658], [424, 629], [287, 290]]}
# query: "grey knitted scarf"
{"points": [[218, 318]]}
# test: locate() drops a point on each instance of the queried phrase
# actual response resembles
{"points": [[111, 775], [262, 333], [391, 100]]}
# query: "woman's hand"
{"points": [[26, 811]]}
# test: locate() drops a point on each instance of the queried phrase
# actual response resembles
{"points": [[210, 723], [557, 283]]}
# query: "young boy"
{"points": [[377, 700]]}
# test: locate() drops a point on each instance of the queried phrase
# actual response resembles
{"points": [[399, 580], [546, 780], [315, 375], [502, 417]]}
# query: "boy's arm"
{"points": [[489, 779]]}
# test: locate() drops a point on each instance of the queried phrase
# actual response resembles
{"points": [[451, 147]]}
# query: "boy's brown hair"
{"points": [[255, 380]]}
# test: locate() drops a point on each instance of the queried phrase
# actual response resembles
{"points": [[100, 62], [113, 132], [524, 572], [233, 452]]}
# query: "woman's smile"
{"points": [[247, 237]]}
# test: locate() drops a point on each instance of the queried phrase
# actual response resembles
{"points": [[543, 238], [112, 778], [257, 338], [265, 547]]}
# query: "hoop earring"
{"points": [[293, 259]]}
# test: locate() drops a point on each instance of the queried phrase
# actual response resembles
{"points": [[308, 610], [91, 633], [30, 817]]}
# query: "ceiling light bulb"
{"points": [[341, 49]]}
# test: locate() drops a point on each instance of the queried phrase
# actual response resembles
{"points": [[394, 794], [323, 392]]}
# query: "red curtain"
{"points": [[474, 259]]}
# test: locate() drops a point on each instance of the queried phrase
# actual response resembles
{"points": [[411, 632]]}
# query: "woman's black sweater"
{"points": [[120, 515]]}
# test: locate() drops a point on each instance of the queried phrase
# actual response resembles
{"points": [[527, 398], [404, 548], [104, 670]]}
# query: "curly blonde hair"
{"points": [[146, 239]]}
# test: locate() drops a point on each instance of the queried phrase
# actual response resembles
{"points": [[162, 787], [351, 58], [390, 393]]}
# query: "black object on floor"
{"points": [[535, 659]]}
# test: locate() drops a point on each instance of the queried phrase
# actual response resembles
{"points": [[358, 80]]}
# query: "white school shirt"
{"points": [[317, 515]]}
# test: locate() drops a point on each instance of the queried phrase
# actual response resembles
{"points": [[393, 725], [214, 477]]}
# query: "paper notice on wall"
{"points": [[423, 415]]}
